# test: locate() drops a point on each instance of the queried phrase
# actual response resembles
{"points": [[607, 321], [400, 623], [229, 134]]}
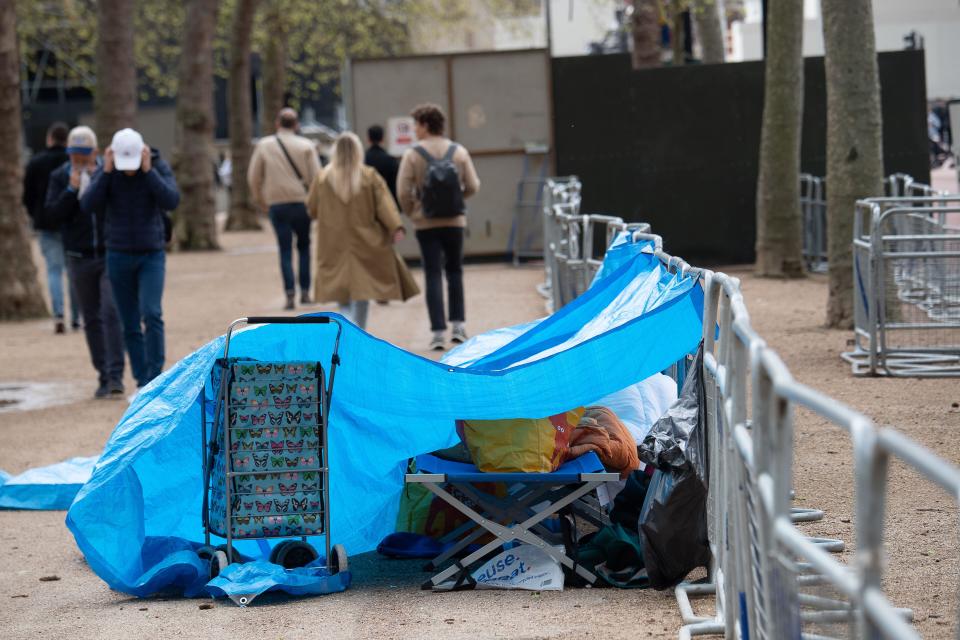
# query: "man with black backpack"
{"points": [[433, 180], [280, 173]]}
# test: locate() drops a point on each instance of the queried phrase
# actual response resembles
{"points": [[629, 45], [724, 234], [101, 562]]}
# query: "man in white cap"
{"points": [[83, 243], [134, 189]]}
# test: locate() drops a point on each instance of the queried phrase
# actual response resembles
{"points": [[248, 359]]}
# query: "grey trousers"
{"points": [[88, 277], [356, 311]]}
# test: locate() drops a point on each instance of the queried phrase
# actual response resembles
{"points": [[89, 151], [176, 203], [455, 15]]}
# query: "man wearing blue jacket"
{"points": [[134, 189], [86, 264]]}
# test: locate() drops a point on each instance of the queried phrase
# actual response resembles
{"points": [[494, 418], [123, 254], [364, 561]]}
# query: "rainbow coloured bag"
{"points": [[526, 445]]}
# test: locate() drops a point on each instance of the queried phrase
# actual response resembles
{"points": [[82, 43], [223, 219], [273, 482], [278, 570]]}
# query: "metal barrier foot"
{"points": [[804, 514], [702, 629], [683, 591]]}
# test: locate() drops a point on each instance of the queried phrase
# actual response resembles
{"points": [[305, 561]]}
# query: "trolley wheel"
{"points": [[291, 554], [218, 562], [205, 552], [338, 559], [277, 551]]}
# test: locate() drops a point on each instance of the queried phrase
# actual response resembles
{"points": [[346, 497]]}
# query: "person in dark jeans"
{"points": [[281, 171], [134, 188], [35, 181], [441, 234], [83, 243], [289, 219], [442, 252]]}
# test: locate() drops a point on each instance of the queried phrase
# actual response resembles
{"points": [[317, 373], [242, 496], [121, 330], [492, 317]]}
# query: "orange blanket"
{"points": [[601, 431]]}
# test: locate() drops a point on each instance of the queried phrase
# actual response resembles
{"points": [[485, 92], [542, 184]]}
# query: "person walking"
{"points": [[280, 173], [83, 243], [433, 180], [378, 158], [358, 224], [133, 190], [35, 181]]}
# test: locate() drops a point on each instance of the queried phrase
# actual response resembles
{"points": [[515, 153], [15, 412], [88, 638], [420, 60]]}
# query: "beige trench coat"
{"points": [[355, 256]]}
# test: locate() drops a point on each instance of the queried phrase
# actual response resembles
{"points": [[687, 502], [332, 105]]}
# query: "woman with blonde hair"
{"points": [[357, 226]]}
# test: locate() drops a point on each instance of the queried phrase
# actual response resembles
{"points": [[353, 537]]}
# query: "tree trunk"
{"points": [[677, 33], [115, 97], [195, 224], [20, 295], [243, 215], [645, 28], [274, 69], [779, 218], [708, 16], [854, 138]]}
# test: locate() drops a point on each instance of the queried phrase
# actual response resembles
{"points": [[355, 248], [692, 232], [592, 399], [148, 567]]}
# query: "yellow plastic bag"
{"points": [[524, 445]]}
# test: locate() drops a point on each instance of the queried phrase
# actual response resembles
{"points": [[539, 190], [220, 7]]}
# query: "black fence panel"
{"points": [[678, 146]]}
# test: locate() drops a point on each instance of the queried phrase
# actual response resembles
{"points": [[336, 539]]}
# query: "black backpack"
{"points": [[441, 195]]}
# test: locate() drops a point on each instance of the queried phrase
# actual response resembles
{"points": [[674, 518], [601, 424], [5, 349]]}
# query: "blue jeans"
{"points": [[51, 246], [137, 283], [291, 218]]}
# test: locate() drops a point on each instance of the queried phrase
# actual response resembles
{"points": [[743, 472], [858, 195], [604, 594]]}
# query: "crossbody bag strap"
{"points": [[292, 164]]}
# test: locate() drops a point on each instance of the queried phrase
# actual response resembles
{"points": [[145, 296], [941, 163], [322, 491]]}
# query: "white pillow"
{"points": [[640, 405]]}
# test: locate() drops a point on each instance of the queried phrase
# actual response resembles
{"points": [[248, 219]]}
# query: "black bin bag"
{"points": [[673, 519]]}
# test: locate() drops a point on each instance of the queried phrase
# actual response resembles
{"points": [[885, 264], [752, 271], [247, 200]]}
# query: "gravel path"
{"points": [[206, 291]]}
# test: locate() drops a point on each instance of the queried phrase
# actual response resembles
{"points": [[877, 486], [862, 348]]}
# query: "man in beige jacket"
{"points": [[281, 171], [439, 232]]}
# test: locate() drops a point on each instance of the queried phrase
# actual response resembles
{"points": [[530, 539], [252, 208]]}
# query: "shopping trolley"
{"points": [[266, 465]]}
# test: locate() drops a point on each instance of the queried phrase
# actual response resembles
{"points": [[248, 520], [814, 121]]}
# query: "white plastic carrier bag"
{"points": [[522, 567]]}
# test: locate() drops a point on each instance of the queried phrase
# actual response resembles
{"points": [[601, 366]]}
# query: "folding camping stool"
{"points": [[533, 498]]}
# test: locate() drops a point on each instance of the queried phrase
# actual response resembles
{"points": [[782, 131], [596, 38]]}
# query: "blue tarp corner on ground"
{"points": [[139, 516], [253, 578], [46, 488]]}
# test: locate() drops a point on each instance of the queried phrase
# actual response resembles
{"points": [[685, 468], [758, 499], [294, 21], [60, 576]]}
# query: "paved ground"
{"points": [[945, 179], [206, 291]]}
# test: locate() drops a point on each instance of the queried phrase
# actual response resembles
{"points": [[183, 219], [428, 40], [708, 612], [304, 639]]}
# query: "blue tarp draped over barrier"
{"points": [[138, 517], [45, 488]]}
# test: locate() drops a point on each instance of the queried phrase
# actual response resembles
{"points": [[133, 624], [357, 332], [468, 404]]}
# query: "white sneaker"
{"points": [[438, 342], [458, 334]]}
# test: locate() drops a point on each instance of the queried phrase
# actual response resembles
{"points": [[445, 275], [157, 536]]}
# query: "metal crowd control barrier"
{"points": [[906, 272], [813, 206], [578, 253], [764, 567], [901, 184], [558, 191], [767, 576]]}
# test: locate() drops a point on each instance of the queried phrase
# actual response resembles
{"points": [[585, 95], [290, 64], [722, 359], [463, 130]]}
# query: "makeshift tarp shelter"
{"points": [[138, 520]]}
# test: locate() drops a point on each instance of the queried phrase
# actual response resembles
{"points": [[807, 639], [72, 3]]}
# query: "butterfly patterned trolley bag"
{"points": [[265, 464]]}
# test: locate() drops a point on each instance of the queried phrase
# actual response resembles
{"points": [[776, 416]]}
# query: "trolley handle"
{"points": [[289, 320]]}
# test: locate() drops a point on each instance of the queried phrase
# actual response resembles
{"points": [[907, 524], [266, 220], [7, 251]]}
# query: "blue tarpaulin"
{"points": [[45, 488], [257, 577], [138, 518]]}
